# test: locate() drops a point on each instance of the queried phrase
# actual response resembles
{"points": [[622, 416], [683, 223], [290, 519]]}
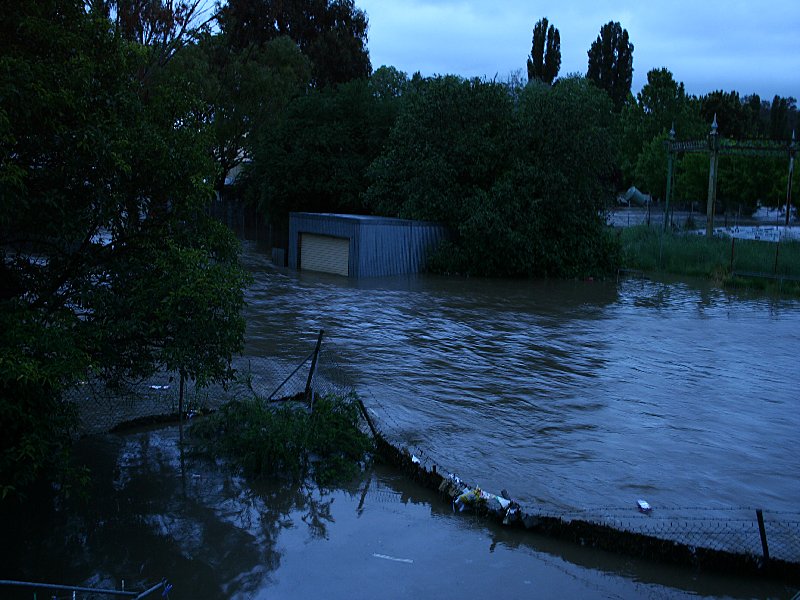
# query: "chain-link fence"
{"points": [[732, 537], [102, 407]]}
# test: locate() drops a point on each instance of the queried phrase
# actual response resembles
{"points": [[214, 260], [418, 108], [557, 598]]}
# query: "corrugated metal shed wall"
{"points": [[379, 246]]}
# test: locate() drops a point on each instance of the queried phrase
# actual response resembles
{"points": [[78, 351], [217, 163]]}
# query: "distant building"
{"points": [[360, 246]]}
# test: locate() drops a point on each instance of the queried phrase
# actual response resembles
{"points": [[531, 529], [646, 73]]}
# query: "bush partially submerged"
{"points": [[287, 441]]}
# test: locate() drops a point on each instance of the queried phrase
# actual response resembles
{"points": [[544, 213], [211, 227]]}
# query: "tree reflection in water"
{"points": [[154, 511]]}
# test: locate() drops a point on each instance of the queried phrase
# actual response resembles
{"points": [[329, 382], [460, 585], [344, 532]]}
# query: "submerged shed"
{"points": [[359, 245]]}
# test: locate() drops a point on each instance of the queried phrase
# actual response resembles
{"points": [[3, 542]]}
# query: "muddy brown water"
{"points": [[570, 395]]}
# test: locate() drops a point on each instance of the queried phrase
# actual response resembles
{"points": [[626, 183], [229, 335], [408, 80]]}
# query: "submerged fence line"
{"points": [[162, 586], [741, 539]]}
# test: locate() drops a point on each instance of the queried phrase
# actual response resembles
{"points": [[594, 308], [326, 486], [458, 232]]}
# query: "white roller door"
{"points": [[324, 253]]}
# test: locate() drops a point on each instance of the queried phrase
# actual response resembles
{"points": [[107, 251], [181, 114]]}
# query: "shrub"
{"points": [[287, 441]]}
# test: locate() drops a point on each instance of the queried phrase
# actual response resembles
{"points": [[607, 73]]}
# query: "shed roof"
{"points": [[368, 219]]}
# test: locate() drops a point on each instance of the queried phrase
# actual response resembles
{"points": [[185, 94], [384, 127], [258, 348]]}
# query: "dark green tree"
{"points": [[753, 109], [732, 117], [331, 33], [316, 156], [109, 266], [242, 93], [448, 145], [389, 82], [782, 117], [522, 179], [611, 63], [162, 26], [545, 59], [661, 105]]}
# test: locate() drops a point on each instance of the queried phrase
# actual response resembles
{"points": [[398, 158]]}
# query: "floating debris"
{"points": [[392, 558]]}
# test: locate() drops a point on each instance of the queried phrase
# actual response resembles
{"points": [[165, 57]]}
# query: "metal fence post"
{"points": [[309, 391], [669, 143], [763, 532], [713, 147], [791, 175]]}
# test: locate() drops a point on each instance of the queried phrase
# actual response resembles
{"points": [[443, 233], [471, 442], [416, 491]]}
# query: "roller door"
{"points": [[324, 253]]}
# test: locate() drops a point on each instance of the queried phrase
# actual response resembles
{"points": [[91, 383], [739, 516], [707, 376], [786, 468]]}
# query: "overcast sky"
{"points": [[747, 46]]}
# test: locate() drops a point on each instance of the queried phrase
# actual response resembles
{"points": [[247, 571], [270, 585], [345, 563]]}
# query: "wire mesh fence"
{"points": [[687, 531]]}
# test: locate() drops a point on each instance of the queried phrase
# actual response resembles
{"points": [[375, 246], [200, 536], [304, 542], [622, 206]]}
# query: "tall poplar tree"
{"points": [[611, 63], [545, 59]]}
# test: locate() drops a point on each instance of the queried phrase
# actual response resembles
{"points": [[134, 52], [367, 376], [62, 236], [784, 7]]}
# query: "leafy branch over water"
{"points": [[288, 441]]}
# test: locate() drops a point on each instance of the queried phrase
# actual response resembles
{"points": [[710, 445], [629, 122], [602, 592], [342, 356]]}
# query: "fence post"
{"points": [[791, 176], [777, 249], [309, 391], [180, 397], [763, 532], [733, 245], [669, 143]]}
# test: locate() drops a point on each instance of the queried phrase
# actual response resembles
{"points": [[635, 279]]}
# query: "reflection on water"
{"points": [[155, 512], [569, 393]]}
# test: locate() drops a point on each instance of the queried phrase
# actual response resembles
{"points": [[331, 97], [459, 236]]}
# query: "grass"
{"points": [[740, 263]]}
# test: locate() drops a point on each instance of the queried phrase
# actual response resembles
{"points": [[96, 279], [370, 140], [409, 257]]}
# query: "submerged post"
{"points": [[309, 391], [713, 147]]}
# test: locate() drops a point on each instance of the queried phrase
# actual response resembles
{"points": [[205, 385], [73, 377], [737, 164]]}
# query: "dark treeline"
{"points": [[521, 173]]}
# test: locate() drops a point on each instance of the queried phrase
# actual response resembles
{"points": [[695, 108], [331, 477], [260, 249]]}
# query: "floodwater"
{"points": [[155, 512], [570, 395]]}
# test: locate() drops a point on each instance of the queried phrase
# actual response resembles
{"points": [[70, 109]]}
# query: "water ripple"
{"points": [[570, 392]]}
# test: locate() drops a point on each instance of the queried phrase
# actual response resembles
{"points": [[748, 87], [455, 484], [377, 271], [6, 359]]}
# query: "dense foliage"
{"points": [[240, 92], [490, 164], [315, 156], [326, 444], [331, 33], [110, 267]]}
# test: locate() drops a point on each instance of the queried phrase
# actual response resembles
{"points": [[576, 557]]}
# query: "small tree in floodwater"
{"points": [[288, 441]]}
